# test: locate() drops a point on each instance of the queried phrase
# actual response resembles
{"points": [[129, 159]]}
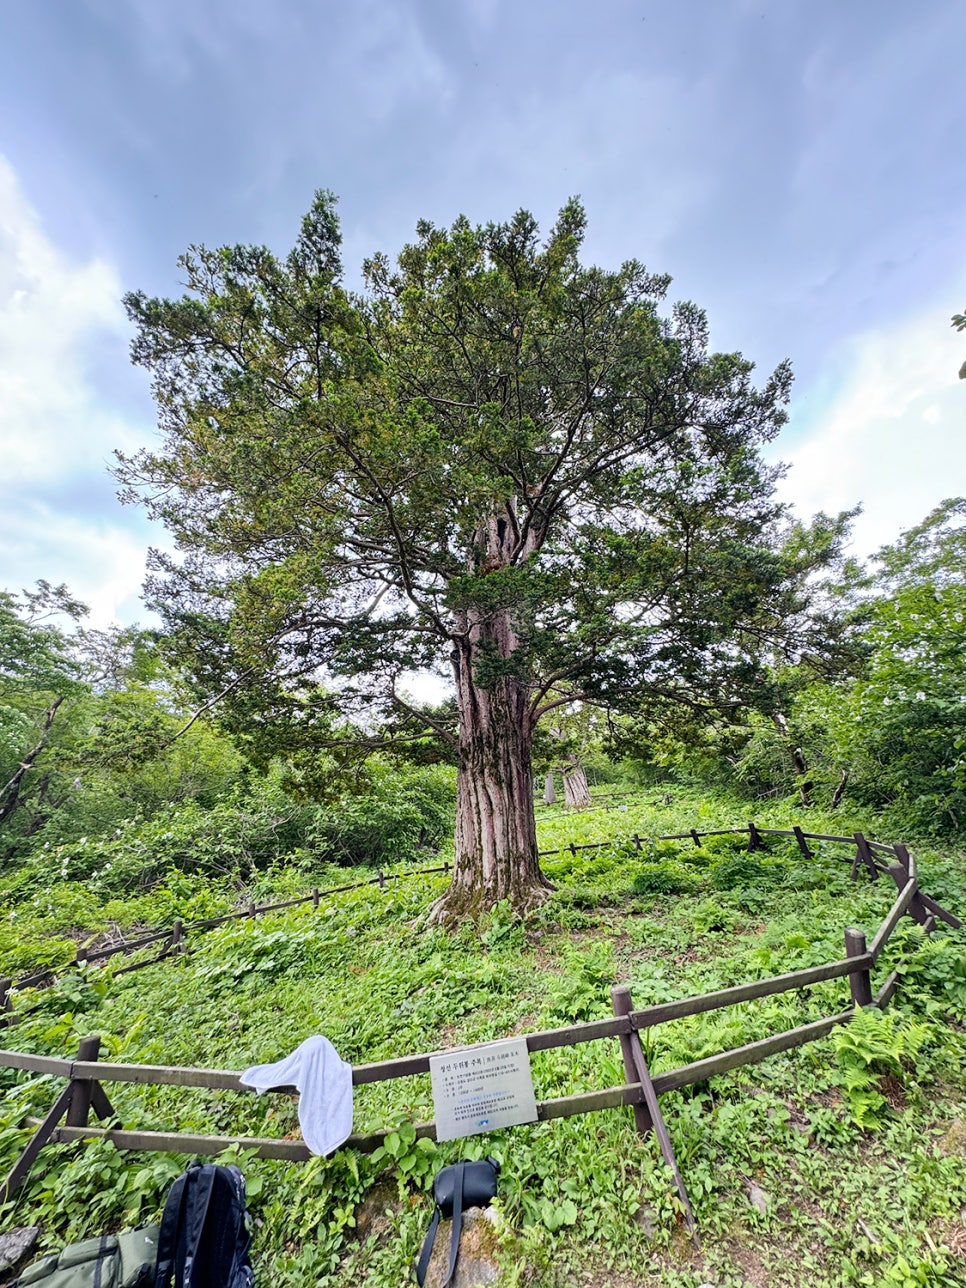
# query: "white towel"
{"points": [[324, 1083]]}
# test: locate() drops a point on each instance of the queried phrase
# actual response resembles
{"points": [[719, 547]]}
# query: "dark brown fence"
{"points": [[69, 1116]]}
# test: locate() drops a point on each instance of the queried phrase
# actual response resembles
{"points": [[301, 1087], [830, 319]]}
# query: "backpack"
{"points": [[204, 1237], [115, 1261]]}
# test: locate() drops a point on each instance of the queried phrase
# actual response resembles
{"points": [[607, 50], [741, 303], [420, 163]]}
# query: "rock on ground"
{"points": [[477, 1264], [15, 1244]]}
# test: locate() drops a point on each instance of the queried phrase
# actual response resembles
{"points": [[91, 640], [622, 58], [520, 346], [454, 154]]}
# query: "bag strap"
{"points": [[454, 1243], [168, 1231], [422, 1265], [198, 1211]]}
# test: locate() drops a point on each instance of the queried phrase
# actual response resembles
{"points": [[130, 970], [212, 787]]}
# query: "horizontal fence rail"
{"points": [[68, 1118]]}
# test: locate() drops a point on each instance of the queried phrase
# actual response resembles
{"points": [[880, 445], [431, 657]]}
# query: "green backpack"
{"points": [[125, 1260]]}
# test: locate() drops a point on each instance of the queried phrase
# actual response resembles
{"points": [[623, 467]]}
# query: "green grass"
{"points": [[584, 1201]]}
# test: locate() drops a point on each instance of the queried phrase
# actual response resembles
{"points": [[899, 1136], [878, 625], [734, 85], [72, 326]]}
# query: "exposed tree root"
{"points": [[459, 905]]}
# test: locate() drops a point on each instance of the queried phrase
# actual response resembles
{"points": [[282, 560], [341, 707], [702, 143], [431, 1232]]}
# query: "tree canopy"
{"points": [[496, 463]]}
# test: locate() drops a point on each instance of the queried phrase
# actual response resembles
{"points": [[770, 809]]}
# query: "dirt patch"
{"points": [[371, 1213], [750, 1264], [952, 1235], [894, 1091]]}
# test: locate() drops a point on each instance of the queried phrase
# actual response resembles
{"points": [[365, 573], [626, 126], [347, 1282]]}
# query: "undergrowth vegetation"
{"points": [[841, 1163]]}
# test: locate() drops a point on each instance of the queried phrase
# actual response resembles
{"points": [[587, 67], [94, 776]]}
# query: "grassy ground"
{"points": [[841, 1163]]}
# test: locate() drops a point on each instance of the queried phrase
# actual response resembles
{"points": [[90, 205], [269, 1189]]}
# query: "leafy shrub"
{"points": [[585, 897], [400, 817], [662, 878], [709, 915], [742, 871], [939, 968]]}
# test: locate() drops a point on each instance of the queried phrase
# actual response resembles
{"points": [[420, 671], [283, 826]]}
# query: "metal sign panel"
{"points": [[482, 1088]]}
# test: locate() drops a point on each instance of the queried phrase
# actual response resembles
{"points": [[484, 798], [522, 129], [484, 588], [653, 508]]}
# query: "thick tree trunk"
{"points": [[576, 790], [496, 833], [549, 790]]}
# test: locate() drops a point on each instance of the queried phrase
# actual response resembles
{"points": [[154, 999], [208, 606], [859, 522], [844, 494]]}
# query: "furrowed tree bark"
{"points": [[496, 837], [549, 790]]}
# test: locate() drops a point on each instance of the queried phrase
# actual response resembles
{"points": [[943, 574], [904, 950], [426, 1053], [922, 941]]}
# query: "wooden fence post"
{"points": [[21, 1168], [5, 1002], [79, 1110], [75, 1101], [864, 855], [802, 843], [643, 1076], [620, 996], [637, 842], [251, 910], [382, 881], [695, 836], [573, 849], [860, 982], [917, 908], [315, 897], [754, 838], [177, 936]]}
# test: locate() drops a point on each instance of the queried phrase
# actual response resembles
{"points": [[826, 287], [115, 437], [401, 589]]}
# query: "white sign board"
{"points": [[482, 1088]]}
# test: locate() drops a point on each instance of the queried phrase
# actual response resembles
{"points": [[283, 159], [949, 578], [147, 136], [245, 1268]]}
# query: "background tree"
{"points": [[900, 726], [38, 674], [498, 463]]}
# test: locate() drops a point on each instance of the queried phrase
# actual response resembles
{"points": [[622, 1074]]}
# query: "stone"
{"points": [[15, 1244], [477, 1265], [646, 1218], [757, 1197]]}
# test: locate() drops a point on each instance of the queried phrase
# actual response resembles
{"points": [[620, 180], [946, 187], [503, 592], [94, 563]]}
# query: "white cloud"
{"points": [[891, 432], [100, 560], [53, 314], [60, 319]]}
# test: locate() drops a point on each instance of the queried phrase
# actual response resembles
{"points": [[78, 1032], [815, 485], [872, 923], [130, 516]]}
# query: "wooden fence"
{"points": [[173, 939], [69, 1117]]}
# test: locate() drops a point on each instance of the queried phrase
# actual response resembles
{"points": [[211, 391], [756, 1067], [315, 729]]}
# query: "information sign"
{"points": [[482, 1088]]}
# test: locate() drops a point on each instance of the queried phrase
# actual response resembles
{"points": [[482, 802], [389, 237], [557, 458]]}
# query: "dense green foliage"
{"points": [[499, 451], [779, 1158]]}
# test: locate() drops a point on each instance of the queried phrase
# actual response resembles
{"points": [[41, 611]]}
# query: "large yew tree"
{"points": [[495, 463]]}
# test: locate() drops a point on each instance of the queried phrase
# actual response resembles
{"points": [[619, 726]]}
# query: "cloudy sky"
{"points": [[796, 166]]}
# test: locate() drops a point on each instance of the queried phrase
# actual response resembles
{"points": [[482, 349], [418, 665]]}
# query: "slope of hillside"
{"points": [[838, 1163]]}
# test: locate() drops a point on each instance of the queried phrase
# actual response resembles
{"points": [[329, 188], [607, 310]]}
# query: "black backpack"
{"points": [[204, 1237]]}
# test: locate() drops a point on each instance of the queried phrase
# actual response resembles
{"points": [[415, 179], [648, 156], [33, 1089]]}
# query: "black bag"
{"points": [[462, 1185], [204, 1237]]}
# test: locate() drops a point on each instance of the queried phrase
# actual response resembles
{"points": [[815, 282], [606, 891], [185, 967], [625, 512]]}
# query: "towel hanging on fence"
{"points": [[324, 1083]]}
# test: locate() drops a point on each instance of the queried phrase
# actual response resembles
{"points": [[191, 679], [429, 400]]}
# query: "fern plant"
{"points": [[873, 1046]]}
